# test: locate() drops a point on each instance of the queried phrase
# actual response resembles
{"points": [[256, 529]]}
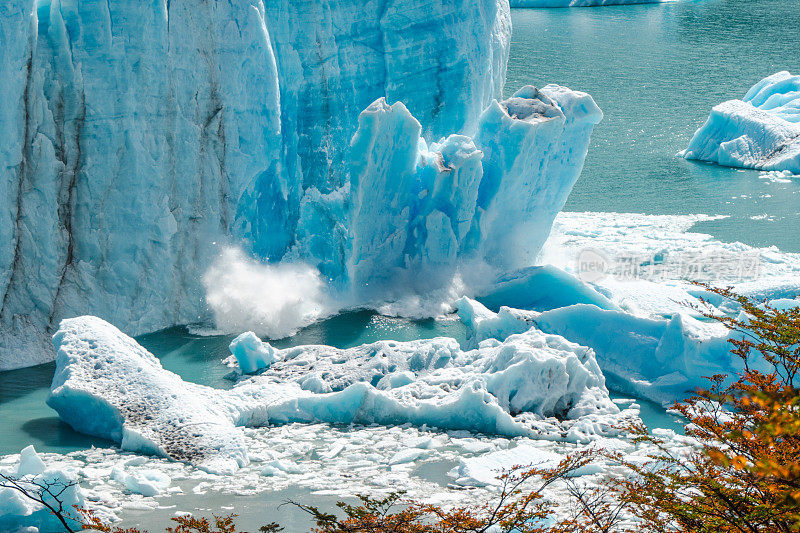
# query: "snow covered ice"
{"points": [[761, 131], [654, 358], [18, 512], [530, 384]]}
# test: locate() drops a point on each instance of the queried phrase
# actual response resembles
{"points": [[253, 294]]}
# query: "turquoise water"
{"points": [[656, 70]]}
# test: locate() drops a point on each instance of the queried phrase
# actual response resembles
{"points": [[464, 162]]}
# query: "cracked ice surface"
{"points": [[531, 384]]}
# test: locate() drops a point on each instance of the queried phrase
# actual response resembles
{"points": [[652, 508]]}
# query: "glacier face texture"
{"points": [[107, 385], [146, 137], [412, 214], [761, 131], [139, 135]]}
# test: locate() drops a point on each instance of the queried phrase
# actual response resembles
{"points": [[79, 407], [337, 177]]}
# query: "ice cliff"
{"points": [[140, 138], [530, 384], [761, 131]]}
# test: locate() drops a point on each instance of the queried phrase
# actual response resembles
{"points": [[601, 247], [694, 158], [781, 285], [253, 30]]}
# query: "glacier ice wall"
{"points": [[138, 135], [413, 214], [761, 131]]}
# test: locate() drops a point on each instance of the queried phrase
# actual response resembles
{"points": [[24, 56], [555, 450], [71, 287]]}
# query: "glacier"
{"points": [[761, 131], [144, 139], [532, 384], [579, 3]]}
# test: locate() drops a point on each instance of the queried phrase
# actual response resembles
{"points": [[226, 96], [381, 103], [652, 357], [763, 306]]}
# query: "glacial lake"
{"points": [[656, 70]]}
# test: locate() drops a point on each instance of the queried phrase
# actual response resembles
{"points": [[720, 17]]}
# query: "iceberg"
{"points": [[531, 384], [142, 140], [414, 215], [580, 3], [18, 513], [761, 131], [251, 353]]}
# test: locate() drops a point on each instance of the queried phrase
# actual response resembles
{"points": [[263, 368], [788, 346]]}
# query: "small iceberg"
{"points": [[761, 131]]}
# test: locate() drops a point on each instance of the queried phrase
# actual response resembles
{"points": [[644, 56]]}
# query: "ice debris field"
{"points": [[528, 383]]}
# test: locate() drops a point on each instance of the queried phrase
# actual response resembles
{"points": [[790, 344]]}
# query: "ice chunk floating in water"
{"points": [[531, 384], [252, 353], [761, 131]]}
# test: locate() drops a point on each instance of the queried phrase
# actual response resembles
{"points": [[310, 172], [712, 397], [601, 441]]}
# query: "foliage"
{"points": [[517, 508], [185, 524], [44, 492], [745, 477]]}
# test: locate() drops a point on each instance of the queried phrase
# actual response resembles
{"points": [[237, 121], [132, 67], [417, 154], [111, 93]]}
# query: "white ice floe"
{"points": [[529, 384], [650, 261], [319, 459], [145, 482], [760, 131], [779, 176]]}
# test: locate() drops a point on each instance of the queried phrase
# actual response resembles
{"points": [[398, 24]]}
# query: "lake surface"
{"points": [[656, 70]]}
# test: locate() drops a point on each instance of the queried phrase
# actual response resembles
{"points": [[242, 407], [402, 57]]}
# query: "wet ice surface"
{"points": [[316, 464]]}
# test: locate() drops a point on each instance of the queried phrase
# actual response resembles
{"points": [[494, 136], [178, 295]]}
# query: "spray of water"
{"points": [[273, 301]]}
